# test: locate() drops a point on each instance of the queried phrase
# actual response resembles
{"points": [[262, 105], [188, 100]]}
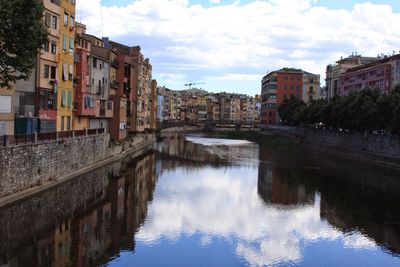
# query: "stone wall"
{"points": [[22, 167]]}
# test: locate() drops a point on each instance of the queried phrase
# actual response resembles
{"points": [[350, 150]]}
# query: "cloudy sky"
{"points": [[230, 44]]}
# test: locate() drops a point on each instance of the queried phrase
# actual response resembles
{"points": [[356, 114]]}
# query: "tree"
{"points": [[22, 33], [288, 108]]}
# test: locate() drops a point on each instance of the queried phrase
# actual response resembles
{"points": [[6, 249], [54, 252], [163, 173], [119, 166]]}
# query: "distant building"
{"points": [[382, 74], [283, 84], [333, 72], [311, 87], [277, 86]]}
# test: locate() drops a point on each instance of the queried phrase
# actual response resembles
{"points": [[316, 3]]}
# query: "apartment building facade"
{"points": [[277, 86], [65, 89], [382, 74], [334, 71], [311, 87]]}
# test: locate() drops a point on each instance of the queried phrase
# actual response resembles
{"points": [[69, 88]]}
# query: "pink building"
{"points": [[383, 74]]}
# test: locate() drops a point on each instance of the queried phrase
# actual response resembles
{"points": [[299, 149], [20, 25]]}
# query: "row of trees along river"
{"points": [[366, 110]]}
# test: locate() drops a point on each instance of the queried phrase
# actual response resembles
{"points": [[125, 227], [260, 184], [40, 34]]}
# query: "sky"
{"points": [[229, 45]]}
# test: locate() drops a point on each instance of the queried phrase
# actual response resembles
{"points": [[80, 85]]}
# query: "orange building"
{"points": [[277, 86]]}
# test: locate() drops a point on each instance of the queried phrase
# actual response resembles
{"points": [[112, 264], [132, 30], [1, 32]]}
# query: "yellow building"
{"points": [[65, 94]]}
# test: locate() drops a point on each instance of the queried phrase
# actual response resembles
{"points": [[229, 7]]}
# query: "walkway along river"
{"points": [[197, 201]]}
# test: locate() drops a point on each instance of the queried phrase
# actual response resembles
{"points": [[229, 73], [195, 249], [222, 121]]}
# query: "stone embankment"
{"points": [[372, 148], [27, 168]]}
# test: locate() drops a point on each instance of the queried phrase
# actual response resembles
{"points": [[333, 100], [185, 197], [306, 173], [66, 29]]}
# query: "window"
{"points": [[94, 62], [47, 100], [73, 2], [63, 100], [71, 44], [68, 129], [286, 78], [62, 129], [71, 72], [69, 98], [65, 19], [46, 47], [54, 23], [65, 46], [64, 72], [5, 104], [101, 66], [53, 47], [53, 71], [109, 105], [47, 19], [72, 22], [46, 71]]}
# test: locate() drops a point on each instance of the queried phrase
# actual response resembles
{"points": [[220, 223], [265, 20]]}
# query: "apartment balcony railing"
{"points": [[114, 84], [115, 63], [100, 90]]}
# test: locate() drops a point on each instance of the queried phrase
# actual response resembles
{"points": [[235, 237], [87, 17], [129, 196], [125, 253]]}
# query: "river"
{"points": [[198, 201]]}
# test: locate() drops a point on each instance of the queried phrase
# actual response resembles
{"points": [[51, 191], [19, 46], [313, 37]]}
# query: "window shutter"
{"points": [[71, 43], [69, 99], [65, 42], [47, 19], [62, 98], [64, 72]]}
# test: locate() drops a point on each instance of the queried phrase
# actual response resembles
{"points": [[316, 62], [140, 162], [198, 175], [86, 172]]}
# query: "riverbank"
{"points": [[14, 189], [379, 150]]}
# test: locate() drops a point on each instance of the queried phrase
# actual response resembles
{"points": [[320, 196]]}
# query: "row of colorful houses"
{"points": [[201, 106], [81, 82]]}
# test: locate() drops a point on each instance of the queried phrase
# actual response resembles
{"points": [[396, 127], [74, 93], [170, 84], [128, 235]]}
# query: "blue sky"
{"points": [[229, 45]]}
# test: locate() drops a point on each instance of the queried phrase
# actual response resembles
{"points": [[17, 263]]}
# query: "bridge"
{"points": [[208, 125]]}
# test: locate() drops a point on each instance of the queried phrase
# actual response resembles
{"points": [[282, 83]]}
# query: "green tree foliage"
{"points": [[287, 110], [22, 33], [359, 111]]}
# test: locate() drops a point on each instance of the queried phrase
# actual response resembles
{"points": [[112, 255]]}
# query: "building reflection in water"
{"points": [[83, 222], [89, 220], [353, 198]]}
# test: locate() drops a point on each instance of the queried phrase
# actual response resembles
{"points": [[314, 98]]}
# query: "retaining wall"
{"points": [[22, 167], [374, 148]]}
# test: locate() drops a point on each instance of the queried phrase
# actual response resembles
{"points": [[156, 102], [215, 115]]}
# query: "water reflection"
{"points": [[83, 222], [213, 205]]}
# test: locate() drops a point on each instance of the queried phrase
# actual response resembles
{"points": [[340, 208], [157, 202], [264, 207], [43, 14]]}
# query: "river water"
{"points": [[197, 201]]}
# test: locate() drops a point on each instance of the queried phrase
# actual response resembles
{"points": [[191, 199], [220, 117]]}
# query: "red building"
{"points": [[85, 97]]}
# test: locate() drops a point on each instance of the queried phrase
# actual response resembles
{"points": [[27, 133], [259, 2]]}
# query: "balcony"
{"points": [[102, 112], [114, 84], [115, 63], [100, 90]]}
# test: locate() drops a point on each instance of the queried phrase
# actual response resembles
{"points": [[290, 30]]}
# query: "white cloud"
{"points": [[263, 234], [258, 36], [215, 1]]}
